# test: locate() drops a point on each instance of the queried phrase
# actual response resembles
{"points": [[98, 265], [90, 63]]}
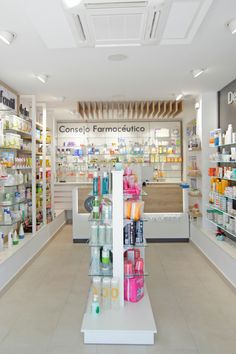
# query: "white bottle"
{"points": [[9, 242], [230, 132], [97, 286], [1, 241], [95, 306], [115, 298], [96, 260], [15, 240], [105, 258], [106, 290], [21, 178], [21, 232]]}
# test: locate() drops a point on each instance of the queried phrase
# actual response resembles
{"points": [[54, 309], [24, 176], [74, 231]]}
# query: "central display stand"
{"points": [[131, 323]]}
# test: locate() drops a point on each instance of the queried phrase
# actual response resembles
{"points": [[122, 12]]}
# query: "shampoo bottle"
{"points": [[105, 184], [15, 238], [9, 242], [1, 241], [95, 184], [21, 232]]}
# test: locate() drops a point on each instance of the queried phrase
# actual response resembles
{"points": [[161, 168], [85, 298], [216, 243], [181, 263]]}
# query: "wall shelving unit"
{"points": [[132, 323], [194, 173]]}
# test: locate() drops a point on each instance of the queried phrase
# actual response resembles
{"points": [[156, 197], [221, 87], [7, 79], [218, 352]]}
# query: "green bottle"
{"points": [[96, 208]]}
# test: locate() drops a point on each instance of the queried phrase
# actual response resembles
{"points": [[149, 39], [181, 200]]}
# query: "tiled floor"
{"points": [[42, 311]]}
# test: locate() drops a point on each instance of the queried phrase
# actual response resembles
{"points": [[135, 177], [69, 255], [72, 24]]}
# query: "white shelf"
{"points": [[132, 324], [222, 227]]}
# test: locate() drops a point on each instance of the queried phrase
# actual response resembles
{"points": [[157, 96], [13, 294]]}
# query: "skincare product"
{"points": [[105, 258], [94, 234], [95, 184], [115, 298], [21, 232], [95, 305], [105, 184], [15, 238], [106, 287], [9, 242], [102, 235]]}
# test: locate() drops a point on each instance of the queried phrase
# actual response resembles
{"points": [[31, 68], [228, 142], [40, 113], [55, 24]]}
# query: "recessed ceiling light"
{"points": [[232, 26], [42, 77], [117, 57], [197, 72], [179, 97], [7, 37], [71, 3]]}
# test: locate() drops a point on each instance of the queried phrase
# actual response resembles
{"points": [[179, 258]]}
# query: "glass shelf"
{"points": [[212, 207], [91, 244], [217, 161], [13, 185], [101, 272], [222, 228], [10, 224], [225, 196], [222, 146], [2, 204], [133, 275], [137, 245], [224, 178]]}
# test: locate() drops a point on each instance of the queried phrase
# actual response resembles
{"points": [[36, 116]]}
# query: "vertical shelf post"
{"points": [[117, 227]]}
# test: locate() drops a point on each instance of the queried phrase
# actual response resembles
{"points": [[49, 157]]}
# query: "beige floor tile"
{"points": [[42, 311]]}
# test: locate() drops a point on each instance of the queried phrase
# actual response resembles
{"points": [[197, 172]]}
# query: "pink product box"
{"points": [[134, 289]]}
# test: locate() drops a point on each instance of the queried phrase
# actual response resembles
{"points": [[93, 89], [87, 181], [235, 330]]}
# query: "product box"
{"points": [[134, 289], [139, 232]]}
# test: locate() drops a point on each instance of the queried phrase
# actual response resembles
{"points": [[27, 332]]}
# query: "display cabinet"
{"points": [[115, 276]]}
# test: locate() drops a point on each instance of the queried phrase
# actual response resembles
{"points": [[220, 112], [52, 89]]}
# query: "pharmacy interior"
{"points": [[127, 156]]}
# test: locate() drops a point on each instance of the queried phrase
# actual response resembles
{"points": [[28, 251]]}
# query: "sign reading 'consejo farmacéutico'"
{"points": [[69, 129]]}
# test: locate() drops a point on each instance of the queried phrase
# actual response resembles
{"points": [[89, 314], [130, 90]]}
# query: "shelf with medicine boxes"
{"points": [[222, 197], [16, 175], [194, 172], [77, 157], [117, 259]]}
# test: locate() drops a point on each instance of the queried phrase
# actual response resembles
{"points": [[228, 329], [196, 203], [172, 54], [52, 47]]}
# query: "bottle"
{"points": [[15, 240], [95, 184], [102, 235], [97, 286], [115, 298], [95, 305], [105, 184], [94, 234], [1, 241], [21, 232], [96, 208], [108, 234], [230, 132], [106, 287], [96, 260], [9, 241], [105, 258]]}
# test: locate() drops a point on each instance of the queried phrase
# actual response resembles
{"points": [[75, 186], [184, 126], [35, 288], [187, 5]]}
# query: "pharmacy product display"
{"points": [[194, 172], [117, 251], [78, 158], [222, 197], [15, 175]]}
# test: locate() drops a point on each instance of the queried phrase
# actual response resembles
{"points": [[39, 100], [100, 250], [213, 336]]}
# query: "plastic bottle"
{"points": [[105, 258], [96, 208], [115, 298], [94, 234], [105, 184], [9, 242], [95, 305], [96, 260], [95, 184], [102, 235], [1, 241], [15, 240], [230, 131], [97, 286], [108, 234], [21, 232], [106, 288]]}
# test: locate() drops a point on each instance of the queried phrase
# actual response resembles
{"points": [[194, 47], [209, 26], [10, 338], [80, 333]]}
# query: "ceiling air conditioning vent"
{"points": [[80, 28], [115, 5], [155, 20], [115, 23]]}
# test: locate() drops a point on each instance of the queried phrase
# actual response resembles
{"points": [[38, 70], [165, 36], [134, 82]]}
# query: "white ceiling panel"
{"points": [[49, 20], [184, 19]]}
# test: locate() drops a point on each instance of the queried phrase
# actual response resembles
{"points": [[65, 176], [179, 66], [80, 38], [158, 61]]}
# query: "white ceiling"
{"points": [[149, 73]]}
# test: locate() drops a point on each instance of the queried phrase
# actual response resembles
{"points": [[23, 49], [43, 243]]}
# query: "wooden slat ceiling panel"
{"points": [[138, 110]]}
